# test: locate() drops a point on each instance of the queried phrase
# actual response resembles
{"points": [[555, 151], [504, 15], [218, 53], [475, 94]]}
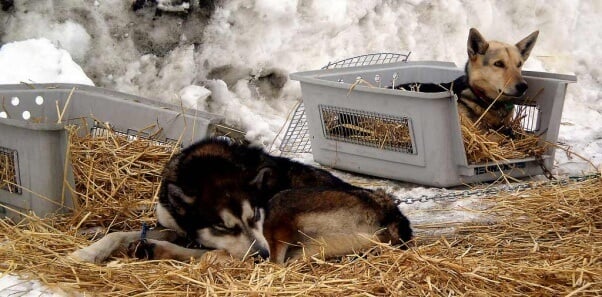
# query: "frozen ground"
{"points": [[207, 57]]}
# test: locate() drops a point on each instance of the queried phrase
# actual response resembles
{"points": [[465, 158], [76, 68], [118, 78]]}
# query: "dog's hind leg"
{"points": [[102, 249], [334, 244], [278, 252]]}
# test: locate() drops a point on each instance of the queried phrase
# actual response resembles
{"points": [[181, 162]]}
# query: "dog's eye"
{"points": [[520, 64], [220, 227], [499, 64], [224, 229]]}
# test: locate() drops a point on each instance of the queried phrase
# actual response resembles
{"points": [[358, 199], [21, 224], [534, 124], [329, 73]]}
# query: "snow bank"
{"points": [[38, 61]]}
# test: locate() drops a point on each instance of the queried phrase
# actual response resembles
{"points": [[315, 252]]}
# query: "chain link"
{"points": [[482, 193]]}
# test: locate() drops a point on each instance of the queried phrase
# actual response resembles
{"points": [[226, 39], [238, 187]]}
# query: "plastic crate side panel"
{"points": [[136, 117], [551, 102], [39, 105], [68, 180], [46, 172], [40, 169], [431, 160], [457, 140], [316, 95]]}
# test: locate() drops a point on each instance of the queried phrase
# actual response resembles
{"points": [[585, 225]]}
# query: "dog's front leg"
{"points": [[151, 249], [102, 249]]}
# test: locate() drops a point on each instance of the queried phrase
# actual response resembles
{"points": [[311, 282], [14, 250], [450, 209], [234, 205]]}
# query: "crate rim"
{"points": [[118, 95], [315, 77]]}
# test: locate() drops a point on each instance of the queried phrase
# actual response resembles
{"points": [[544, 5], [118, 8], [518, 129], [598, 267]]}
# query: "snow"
{"points": [[169, 57], [11, 285], [38, 61]]}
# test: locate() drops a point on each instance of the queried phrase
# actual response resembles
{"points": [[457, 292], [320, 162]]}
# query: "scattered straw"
{"points": [[546, 242]]}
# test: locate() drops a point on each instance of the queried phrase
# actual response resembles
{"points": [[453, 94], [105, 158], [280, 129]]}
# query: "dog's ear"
{"points": [[477, 45], [265, 179], [526, 45], [178, 199]]}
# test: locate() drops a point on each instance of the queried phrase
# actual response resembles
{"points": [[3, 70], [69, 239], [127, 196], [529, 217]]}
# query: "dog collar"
{"points": [[484, 101], [480, 95]]}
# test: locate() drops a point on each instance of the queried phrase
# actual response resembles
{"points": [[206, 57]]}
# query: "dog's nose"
{"points": [[263, 254], [521, 87], [260, 251]]}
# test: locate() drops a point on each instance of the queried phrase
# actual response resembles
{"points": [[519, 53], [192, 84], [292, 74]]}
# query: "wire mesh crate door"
{"points": [[296, 138], [9, 171], [529, 116], [367, 128]]}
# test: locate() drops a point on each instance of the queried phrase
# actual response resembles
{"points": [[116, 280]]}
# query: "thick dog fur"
{"points": [[332, 222], [313, 221], [492, 78], [216, 194]]}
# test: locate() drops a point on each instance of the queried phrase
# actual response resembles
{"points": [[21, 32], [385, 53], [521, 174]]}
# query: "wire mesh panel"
{"points": [[370, 59], [100, 130], [9, 171], [296, 138], [529, 116], [367, 128]]}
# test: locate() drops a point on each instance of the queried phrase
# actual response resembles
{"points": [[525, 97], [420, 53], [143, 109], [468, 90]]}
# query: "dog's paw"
{"points": [[216, 257], [84, 255], [142, 249]]}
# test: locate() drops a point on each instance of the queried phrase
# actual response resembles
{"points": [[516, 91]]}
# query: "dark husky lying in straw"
{"points": [[220, 195]]}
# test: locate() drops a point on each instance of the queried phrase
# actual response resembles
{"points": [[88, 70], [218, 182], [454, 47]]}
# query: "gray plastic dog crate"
{"points": [[432, 153], [33, 144]]}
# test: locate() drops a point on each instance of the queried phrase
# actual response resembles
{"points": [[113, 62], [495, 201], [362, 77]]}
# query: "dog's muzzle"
{"points": [[261, 251], [521, 88]]}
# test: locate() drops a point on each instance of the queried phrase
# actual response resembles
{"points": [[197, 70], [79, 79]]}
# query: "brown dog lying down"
{"points": [[332, 222], [308, 222], [217, 195]]}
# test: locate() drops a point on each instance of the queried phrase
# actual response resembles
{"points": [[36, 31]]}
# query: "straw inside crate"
{"points": [[490, 146], [8, 173], [393, 133], [116, 177], [371, 129]]}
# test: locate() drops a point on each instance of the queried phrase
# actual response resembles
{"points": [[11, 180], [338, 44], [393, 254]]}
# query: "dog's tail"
{"points": [[401, 230], [398, 226]]}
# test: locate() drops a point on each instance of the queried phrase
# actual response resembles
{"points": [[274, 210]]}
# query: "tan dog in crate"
{"points": [[492, 83]]}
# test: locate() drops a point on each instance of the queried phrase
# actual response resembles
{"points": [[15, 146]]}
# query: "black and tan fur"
{"points": [[217, 194], [332, 222], [326, 222]]}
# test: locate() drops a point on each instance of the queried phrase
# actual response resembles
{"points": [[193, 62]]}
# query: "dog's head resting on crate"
{"points": [[493, 82], [494, 67]]}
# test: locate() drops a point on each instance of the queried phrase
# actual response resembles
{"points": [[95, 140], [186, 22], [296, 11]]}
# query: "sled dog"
{"points": [[217, 195], [492, 80]]}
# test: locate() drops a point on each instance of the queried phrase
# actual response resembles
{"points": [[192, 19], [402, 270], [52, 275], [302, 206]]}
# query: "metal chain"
{"points": [[454, 196]]}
